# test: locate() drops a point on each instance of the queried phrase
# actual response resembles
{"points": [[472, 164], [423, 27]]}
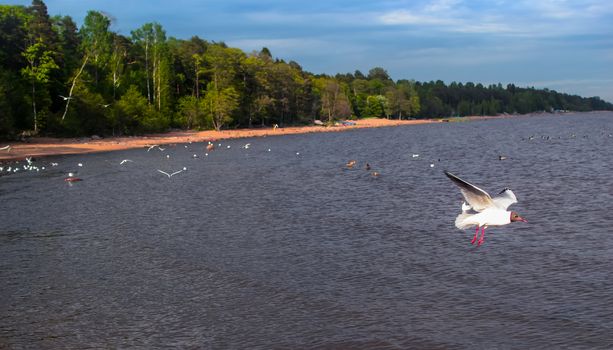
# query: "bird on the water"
{"points": [[481, 210]]}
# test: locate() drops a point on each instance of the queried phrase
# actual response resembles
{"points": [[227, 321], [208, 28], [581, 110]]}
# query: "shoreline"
{"points": [[46, 146]]}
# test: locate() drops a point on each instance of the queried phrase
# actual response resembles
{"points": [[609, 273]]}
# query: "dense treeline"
{"points": [[62, 80]]}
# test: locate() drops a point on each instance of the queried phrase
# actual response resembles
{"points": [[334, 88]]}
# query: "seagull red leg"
{"points": [[475, 237], [482, 236]]}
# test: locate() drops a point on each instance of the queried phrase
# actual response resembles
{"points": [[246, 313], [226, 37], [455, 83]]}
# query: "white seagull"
{"points": [[483, 210], [65, 98], [154, 146], [125, 161], [172, 174]]}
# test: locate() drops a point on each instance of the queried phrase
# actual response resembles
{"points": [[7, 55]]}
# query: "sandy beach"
{"points": [[40, 147]]}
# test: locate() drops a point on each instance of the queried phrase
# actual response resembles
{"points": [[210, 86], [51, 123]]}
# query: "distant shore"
{"points": [[44, 146]]}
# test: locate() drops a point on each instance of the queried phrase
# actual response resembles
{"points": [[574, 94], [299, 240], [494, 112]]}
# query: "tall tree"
{"points": [[143, 37], [334, 102], [40, 65], [95, 47], [222, 66]]}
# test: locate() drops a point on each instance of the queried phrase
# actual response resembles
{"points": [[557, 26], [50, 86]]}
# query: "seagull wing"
{"points": [[505, 198], [176, 172], [477, 198], [165, 173]]}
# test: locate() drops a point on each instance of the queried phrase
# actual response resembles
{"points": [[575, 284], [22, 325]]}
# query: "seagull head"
{"points": [[516, 217]]}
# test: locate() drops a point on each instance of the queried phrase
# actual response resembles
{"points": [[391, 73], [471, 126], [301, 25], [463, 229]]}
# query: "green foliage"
{"points": [[135, 115], [220, 104], [192, 113], [126, 85], [375, 107]]}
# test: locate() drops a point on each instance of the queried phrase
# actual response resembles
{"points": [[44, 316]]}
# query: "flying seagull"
{"points": [[125, 161], [172, 174], [482, 210], [65, 98]]}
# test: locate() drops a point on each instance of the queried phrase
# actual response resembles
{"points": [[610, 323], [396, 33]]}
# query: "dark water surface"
{"points": [[251, 249]]}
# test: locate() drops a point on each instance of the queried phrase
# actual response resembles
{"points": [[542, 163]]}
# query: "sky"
{"points": [[563, 45]]}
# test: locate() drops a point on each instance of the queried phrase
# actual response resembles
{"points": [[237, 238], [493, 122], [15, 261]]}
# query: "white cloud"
{"points": [[398, 17], [441, 5]]}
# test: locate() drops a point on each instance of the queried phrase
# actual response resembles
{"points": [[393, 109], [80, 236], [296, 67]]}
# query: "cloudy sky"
{"points": [[565, 45]]}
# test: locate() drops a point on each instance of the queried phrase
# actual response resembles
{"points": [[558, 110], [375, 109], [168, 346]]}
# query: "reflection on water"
{"points": [[255, 249]]}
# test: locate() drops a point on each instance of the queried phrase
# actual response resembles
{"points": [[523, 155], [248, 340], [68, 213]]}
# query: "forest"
{"points": [[60, 80]]}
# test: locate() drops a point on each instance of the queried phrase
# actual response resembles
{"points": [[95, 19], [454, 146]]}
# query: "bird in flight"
{"points": [[125, 161], [172, 174], [154, 146], [481, 210], [65, 98]]}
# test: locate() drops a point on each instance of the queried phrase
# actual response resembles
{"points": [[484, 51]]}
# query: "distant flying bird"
{"points": [[482, 210], [105, 105], [172, 174], [125, 161], [65, 98], [247, 146], [415, 155], [154, 146]]}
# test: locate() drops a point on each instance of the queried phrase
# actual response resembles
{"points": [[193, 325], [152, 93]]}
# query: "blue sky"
{"points": [[565, 45]]}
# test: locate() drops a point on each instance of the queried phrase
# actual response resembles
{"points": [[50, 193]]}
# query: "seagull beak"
{"points": [[523, 220]]}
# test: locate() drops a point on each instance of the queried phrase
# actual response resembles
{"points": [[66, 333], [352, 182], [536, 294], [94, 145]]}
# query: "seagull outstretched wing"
{"points": [[505, 198], [165, 173], [477, 198]]}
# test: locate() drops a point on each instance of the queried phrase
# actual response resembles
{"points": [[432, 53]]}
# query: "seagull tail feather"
{"points": [[462, 221]]}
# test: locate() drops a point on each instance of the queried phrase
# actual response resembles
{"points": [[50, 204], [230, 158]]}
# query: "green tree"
{"points": [[220, 104], [375, 106], [40, 66], [334, 102], [192, 112], [222, 97], [95, 48], [96, 41]]}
